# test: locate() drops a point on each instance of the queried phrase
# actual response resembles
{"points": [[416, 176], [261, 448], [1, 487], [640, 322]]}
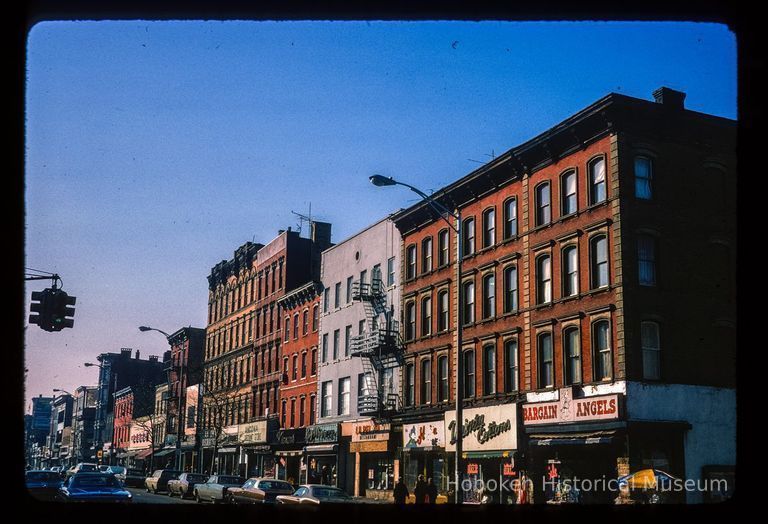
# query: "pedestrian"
{"points": [[431, 491], [420, 491], [400, 492]]}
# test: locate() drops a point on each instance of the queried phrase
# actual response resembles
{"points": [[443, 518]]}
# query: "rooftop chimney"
{"points": [[137, 354], [321, 234], [669, 97], [126, 352], [153, 358]]}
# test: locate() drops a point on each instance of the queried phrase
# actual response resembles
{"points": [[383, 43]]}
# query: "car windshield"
{"points": [[272, 484], [42, 476], [196, 478], [94, 481], [119, 470], [104, 469], [87, 467], [329, 493], [231, 480]]}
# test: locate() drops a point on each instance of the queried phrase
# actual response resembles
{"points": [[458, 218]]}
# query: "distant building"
{"points": [[83, 416]]}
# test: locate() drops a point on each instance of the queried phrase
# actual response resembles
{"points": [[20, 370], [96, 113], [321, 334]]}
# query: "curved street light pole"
{"points": [[177, 453], [380, 181]]}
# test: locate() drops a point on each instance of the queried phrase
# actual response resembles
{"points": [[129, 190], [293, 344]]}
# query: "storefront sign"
{"points": [[424, 435], [473, 469], [491, 428], [508, 469], [568, 409], [252, 433], [320, 433], [369, 430], [289, 436]]}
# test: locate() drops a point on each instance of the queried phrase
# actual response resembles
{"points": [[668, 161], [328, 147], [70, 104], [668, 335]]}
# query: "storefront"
{"points": [[374, 452], [575, 447], [256, 458], [322, 455], [288, 446], [423, 453], [489, 446]]}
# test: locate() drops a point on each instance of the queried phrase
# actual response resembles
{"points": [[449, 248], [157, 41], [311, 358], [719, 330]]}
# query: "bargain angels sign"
{"points": [[483, 429], [569, 409]]}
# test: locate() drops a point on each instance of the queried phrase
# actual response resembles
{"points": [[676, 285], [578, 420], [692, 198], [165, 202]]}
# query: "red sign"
{"points": [[568, 409], [473, 469], [509, 470]]}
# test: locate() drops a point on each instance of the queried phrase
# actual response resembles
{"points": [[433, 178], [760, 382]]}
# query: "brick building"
{"points": [[597, 284], [243, 346]]}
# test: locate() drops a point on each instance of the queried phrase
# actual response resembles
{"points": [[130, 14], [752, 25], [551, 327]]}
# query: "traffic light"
{"points": [[61, 310], [42, 303]]}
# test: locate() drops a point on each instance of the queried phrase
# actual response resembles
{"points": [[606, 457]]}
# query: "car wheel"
{"points": [[197, 497], [170, 493], [232, 499]]}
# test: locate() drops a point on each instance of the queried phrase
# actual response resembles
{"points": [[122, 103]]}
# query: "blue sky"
{"points": [[155, 149]]}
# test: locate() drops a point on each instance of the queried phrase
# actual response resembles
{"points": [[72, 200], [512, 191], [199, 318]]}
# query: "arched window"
{"points": [[410, 266], [510, 218], [442, 313], [510, 366], [489, 227], [442, 378], [426, 316], [569, 203], [543, 204], [545, 360], [646, 260], [469, 302], [315, 317], [426, 381], [510, 289], [287, 330], [295, 326], [599, 261], [650, 342], [570, 271], [409, 385], [469, 236], [426, 255], [543, 280], [443, 252], [643, 177], [469, 374], [601, 350], [597, 181], [410, 321], [572, 356], [489, 369], [489, 296]]}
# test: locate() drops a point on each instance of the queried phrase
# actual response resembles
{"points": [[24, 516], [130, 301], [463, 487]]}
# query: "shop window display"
{"points": [[380, 474]]}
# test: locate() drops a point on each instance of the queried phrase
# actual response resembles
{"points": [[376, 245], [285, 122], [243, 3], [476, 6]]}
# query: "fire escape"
{"points": [[379, 348]]}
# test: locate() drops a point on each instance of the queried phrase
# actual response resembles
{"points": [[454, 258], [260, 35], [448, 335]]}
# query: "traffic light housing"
{"points": [[41, 307], [61, 310]]}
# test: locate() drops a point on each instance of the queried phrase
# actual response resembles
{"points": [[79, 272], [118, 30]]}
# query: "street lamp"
{"points": [[177, 455], [381, 181]]}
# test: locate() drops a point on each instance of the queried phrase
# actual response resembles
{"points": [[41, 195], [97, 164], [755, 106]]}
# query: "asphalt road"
{"points": [[140, 496]]}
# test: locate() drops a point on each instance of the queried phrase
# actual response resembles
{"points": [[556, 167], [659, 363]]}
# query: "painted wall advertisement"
{"points": [[484, 429], [424, 435], [253, 433], [569, 409]]}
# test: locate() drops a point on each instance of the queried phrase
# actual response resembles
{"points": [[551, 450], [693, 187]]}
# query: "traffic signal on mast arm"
{"points": [[42, 303], [61, 310]]}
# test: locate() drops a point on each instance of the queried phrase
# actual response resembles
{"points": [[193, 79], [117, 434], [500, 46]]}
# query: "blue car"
{"points": [[93, 487], [43, 485]]}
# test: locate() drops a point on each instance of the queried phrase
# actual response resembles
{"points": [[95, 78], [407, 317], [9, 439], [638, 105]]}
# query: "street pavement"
{"points": [[140, 496]]}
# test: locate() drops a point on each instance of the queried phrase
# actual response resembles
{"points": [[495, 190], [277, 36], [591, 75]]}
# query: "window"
{"points": [[335, 344], [344, 395], [469, 374], [546, 364], [363, 277], [426, 381], [304, 364], [469, 237], [410, 265], [543, 280], [426, 316], [568, 193], [426, 255], [510, 289], [489, 370], [293, 412], [442, 378], [570, 271], [469, 302], [363, 381], [337, 298], [326, 299], [347, 339], [349, 290], [313, 363], [410, 321], [324, 353], [599, 253], [409, 385], [510, 218], [442, 248], [391, 271], [489, 296], [287, 329], [312, 409], [295, 326], [643, 177], [315, 317], [646, 260], [295, 375], [572, 354], [649, 341], [361, 327], [282, 413], [510, 366], [327, 399], [376, 276], [442, 312], [601, 342], [489, 227], [302, 412], [543, 211], [597, 182]]}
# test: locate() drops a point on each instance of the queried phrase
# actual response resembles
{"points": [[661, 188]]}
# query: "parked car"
{"points": [[315, 494], [215, 488], [159, 479], [93, 487], [185, 484], [43, 485], [259, 491], [82, 467], [135, 478], [117, 471]]}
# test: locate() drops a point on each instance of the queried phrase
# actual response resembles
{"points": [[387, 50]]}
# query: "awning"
{"points": [[286, 453], [164, 452], [486, 454], [227, 450], [144, 453], [321, 448], [127, 454], [565, 439]]}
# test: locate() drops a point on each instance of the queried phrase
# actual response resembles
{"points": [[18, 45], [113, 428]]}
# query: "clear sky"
{"points": [[155, 149]]}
